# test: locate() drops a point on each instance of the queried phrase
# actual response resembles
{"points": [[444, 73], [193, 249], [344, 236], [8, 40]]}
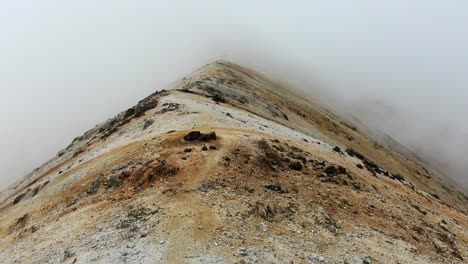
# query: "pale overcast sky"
{"points": [[401, 66]]}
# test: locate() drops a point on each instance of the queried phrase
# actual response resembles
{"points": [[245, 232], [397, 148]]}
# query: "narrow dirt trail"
{"points": [[192, 217]]}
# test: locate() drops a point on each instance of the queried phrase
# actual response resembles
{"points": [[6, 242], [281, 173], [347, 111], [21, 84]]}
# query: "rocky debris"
{"points": [[79, 151], [337, 149], [356, 185], [197, 135], [19, 198], [208, 137], [328, 222], [335, 174], [273, 211], [68, 253], [113, 125], [366, 260], [398, 177], [208, 86], [20, 223], [168, 107], [150, 171], [299, 157], [269, 157], [341, 170], [136, 176], [144, 105], [443, 225], [372, 167], [331, 171], [147, 123], [93, 189], [349, 126], [353, 153], [191, 136], [451, 242], [275, 188], [38, 188], [419, 209], [265, 211], [204, 148], [218, 98], [134, 219], [297, 166], [242, 251], [116, 180], [211, 185]]}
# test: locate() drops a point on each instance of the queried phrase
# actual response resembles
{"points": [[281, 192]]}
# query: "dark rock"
{"points": [[218, 98], [297, 166], [341, 170], [213, 148], [419, 209], [435, 196], [114, 181], [188, 150], [331, 171], [204, 148], [169, 107], [94, 187], [194, 135], [208, 137], [398, 177], [356, 185], [35, 191], [34, 229], [19, 223], [366, 260], [148, 123], [18, 198], [355, 154], [337, 149], [360, 166], [300, 157]]}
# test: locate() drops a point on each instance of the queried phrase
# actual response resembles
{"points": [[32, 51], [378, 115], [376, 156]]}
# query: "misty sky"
{"points": [[400, 66]]}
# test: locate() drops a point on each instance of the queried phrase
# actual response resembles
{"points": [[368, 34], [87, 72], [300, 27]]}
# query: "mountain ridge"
{"points": [[229, 157]]}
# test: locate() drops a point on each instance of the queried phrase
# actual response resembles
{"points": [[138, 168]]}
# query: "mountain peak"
{"points": [[226, 166]]}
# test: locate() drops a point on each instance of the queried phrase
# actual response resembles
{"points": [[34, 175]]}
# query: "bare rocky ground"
{"points": [[227, 167]]}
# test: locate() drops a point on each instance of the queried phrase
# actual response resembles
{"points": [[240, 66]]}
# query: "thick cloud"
{"points": [[401, 66]]}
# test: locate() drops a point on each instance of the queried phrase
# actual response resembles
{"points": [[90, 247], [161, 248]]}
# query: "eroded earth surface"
{"points": [[228, 167]]}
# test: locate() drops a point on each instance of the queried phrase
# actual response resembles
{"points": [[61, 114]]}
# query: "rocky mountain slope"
{"points": [[227, 167]]}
